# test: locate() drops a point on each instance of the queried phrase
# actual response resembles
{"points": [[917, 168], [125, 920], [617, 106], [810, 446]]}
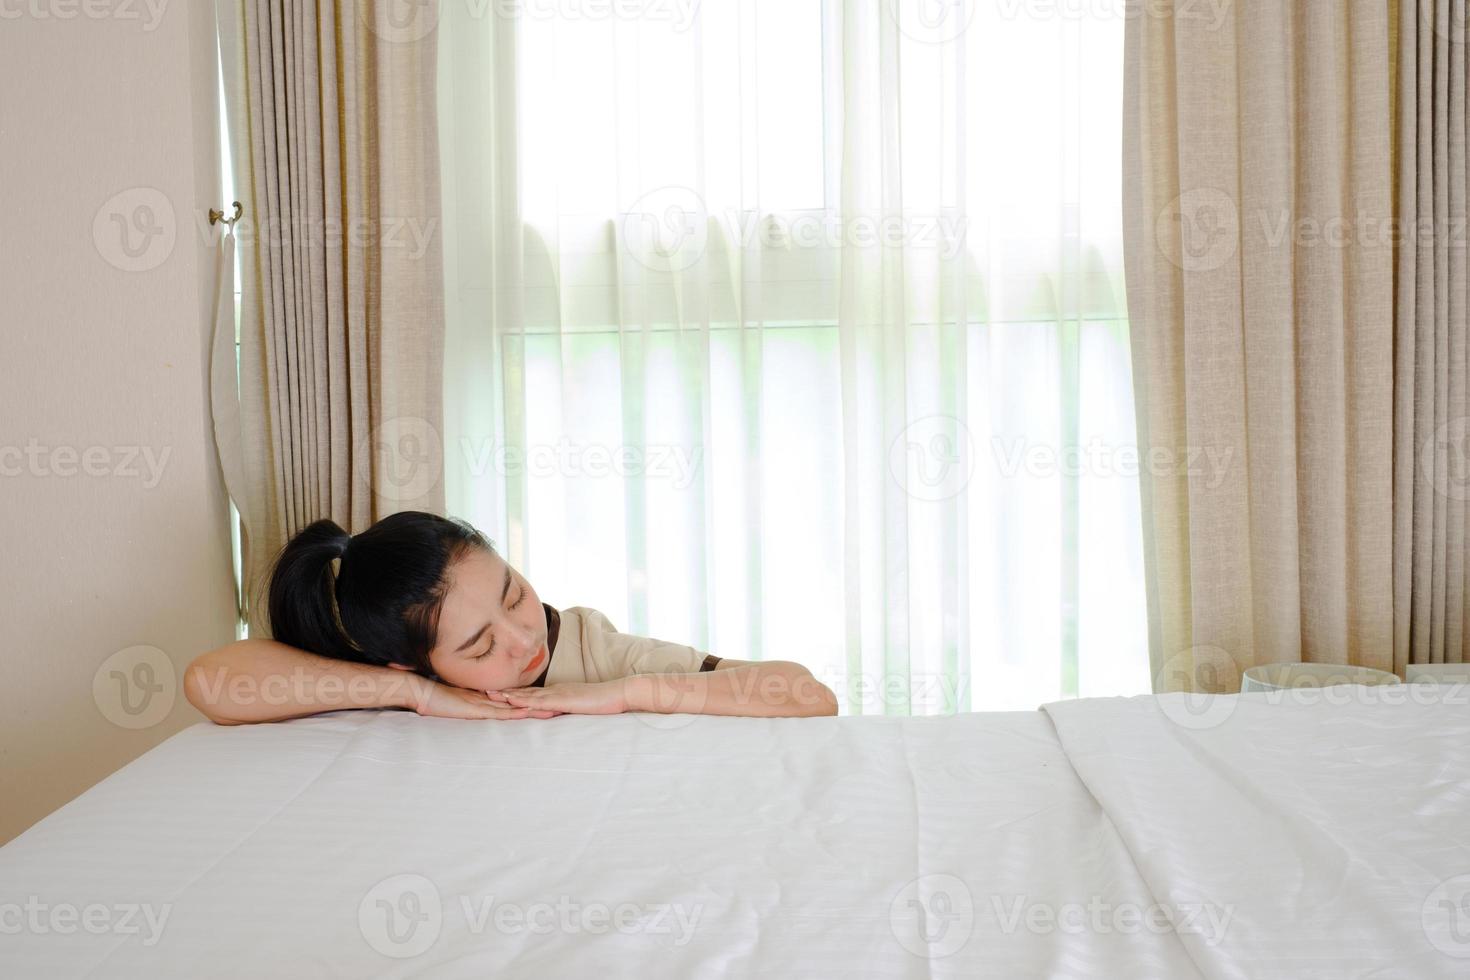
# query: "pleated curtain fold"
{"points": [[1294, 209], [1258, 211], [1431, 288], [334, 149]]}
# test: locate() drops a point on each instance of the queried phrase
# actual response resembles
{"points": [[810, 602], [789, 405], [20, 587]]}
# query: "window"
{"points": [[796, 330]]}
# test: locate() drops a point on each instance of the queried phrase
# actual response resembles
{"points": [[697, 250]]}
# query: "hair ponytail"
{"points": [[382, 605], [303, 591]]}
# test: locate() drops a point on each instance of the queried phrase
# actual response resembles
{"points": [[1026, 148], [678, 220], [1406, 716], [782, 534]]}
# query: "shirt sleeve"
{"points": [[620, 654]]}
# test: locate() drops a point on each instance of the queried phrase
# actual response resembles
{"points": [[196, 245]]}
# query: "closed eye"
{"points": [[520, 598]]}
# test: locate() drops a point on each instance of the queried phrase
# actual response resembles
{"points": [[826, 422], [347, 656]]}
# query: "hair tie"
{"points": [[341, 544]]}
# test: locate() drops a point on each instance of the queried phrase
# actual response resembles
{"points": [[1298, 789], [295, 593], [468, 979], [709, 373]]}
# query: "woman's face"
{"points": [[492, 626]]}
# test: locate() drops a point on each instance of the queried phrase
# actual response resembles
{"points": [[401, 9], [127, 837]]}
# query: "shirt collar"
{"points": [[553, 627]]}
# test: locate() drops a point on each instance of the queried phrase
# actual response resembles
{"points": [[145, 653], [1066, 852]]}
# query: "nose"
{"points": [[521, 644]]}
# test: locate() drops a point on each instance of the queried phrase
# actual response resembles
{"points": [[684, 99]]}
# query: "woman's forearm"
{"points": [[775, 689], [263, 680]]}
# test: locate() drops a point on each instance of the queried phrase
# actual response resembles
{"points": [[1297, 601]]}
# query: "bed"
{"points": [[1142, 837]]}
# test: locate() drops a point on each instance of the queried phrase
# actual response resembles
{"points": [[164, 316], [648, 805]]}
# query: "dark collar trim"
{"points": [[553, 627]]}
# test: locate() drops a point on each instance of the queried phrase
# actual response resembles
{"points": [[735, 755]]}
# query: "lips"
{"points": [[536, 662]]}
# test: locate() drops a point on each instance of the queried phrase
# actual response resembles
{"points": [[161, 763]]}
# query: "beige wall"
{"points": [[103, 355]]}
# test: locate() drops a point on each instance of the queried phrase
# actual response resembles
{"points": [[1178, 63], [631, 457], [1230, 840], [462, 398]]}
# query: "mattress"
{"points": [[1100, 838]]}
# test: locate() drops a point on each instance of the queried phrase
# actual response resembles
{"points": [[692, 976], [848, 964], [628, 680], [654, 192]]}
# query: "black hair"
{"points": [[382, 605]]}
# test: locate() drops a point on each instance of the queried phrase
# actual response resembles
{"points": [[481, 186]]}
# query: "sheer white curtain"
{"points": [[795, 329]]}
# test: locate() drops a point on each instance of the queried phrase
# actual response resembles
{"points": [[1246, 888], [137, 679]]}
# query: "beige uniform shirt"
{"points": [[588, 648]]}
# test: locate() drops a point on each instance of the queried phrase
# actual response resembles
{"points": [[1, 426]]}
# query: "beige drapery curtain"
{"points": [[1431, 429], [1257, 218], [331, 112]]}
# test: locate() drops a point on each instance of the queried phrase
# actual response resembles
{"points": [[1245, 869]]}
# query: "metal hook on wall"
{"points": [[218, 217]]}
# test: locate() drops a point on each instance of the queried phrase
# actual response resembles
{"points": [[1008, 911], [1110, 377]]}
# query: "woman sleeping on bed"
{"points": [[418, 611]]}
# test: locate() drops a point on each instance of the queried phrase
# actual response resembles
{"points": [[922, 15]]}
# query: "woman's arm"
{"points": [[263, 680], [771, 689]]}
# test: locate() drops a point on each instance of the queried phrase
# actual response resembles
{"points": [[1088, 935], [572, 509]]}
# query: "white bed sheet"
{"points": [[384, 844], [1333, 825]]}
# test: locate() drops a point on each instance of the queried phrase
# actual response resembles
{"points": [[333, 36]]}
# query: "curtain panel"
{"points": [[797, 331], [1431, 290], [1295, 203], [333, 144]]}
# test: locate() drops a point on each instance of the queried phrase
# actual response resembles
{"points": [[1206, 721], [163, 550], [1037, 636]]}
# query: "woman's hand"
{"points": [[607, 698], [435, 700]]}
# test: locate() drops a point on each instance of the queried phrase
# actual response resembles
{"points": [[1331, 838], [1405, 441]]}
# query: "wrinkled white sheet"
{"points": [[1334, 825], [384, 844]]}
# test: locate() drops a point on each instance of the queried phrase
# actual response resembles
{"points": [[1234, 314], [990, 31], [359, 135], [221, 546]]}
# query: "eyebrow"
{"points": [[504, 591]]}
